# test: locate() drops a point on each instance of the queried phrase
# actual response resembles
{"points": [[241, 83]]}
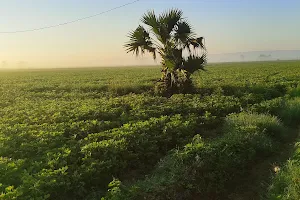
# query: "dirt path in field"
{"points": [[255, 185]]}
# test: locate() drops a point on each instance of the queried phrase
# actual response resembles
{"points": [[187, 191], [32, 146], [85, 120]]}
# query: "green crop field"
{"points": [[101, 133]]}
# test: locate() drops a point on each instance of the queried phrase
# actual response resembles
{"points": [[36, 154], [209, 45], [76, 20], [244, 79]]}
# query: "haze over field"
{"points": [[229, 26], [255, 56]]}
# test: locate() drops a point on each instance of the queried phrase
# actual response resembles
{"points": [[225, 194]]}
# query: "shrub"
{"points": [[133, 147], [286, 184], [205, 169], [290, 114], [294, 92], [273, 106]]}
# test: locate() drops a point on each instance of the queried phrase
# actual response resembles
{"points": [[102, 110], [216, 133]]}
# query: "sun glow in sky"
{"points": [[228, 26]]}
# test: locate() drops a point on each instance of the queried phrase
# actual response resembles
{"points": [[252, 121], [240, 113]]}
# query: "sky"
{"points": [[228, 25]]}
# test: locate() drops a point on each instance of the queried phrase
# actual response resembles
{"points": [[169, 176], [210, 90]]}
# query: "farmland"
{"points": [[102, 133]]}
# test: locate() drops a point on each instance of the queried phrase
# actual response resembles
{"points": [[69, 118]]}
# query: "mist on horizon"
{"points": [[228, 27]]}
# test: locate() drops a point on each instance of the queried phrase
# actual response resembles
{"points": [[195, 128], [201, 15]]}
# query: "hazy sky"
{"points": [[228, 26]]}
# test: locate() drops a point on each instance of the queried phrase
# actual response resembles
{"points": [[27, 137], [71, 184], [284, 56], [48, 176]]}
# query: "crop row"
{"points": [[206, 169], [286, 183]]}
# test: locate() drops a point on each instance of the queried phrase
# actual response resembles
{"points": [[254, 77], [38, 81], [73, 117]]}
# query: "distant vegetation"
{"points": [[104, 134], [255, 56]]}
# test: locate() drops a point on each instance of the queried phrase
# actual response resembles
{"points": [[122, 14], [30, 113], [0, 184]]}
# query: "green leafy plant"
{"points": [[170, 36], [206, 169], [77, 138], [286, 183]]}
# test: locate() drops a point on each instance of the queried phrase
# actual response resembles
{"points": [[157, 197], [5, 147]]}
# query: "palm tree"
{"points": [[170, 36]]}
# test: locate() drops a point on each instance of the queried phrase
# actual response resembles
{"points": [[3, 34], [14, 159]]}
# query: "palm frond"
{"points": [[183, 31], [174, 55], [197, 42], [183, 34], [151, 50], [151, 20], [200, 41], [139, 42], [170, 19], [194, 63], [169, 64]]}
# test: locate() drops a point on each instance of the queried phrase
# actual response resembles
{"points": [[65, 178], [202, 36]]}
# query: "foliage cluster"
{"points": [[71, 134]]}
